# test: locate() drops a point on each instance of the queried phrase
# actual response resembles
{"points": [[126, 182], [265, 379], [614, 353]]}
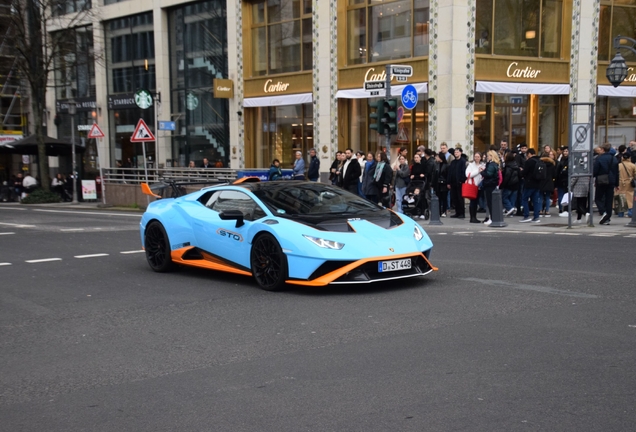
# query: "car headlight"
{"points": [[417, 233], [327, 244]]}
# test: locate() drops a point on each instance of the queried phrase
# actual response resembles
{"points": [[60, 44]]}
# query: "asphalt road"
{"points": [[516, 332]]}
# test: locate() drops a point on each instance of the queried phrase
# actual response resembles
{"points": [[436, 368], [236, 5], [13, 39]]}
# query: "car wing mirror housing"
{"points": [[236, 215]]}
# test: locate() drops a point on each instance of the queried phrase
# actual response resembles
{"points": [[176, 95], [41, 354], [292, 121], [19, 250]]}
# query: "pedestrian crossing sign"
{"points": [[95, 132], [142, 133]]}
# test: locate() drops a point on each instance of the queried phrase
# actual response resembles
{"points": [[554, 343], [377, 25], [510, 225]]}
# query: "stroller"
{"points": [[413, 202]]}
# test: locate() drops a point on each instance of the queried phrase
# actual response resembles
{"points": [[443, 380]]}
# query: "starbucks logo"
{"points": [[143, 99], [192, 102]]}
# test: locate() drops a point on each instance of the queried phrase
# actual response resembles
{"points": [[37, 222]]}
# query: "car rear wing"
{"points": [[168, 188]]}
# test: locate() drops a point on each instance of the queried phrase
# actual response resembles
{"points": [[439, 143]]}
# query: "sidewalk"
{"points": [[553, 224], [81, 206]]}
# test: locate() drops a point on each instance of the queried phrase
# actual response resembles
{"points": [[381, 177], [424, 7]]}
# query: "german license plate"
{"points": [[395, 265]]}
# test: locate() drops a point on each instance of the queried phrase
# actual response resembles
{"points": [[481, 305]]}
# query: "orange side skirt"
{"points": [[208, 262]]}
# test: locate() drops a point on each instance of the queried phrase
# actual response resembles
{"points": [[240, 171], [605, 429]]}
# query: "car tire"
{"points": [[157, 248], [268, 263]]}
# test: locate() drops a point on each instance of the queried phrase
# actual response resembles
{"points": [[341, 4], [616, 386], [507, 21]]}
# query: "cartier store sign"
{"points": [[521, 70], [355, 77], [279, 85], [601, 78]]}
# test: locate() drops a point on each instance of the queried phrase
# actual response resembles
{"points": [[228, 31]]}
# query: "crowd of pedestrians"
{"points": [[531, 183]]}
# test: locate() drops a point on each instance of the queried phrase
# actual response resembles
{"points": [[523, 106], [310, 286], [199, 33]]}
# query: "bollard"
{"points": [[434, 210], [632, 224], [496, 212]]}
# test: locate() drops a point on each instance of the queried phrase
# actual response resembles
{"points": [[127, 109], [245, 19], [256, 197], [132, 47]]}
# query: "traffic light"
{"points": [[376, 117], [389, 117]]}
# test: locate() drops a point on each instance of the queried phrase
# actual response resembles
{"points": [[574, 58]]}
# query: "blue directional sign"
{"points": [[166, 125], [409, 97]]}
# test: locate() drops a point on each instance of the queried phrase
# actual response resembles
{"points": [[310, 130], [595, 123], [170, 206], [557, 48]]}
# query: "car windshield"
{"points": [[309, 198]]}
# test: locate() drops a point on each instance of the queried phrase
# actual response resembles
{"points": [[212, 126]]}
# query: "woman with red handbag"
{"points": [[471, 187]]}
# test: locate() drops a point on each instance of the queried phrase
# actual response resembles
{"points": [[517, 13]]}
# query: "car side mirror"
{"points": [[236, 215]]}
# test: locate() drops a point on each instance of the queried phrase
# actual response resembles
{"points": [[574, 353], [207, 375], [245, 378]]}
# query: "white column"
{"points": [[162, 78], [235, 73], [325, 80], [584, 63], [451, 73], [101, 93]]}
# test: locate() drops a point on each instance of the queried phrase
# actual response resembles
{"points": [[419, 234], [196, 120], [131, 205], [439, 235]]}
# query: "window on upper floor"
{"points": [[618, 18], [63, 7], [386, 30], [526, 28], [281, 36], [74, 58]]}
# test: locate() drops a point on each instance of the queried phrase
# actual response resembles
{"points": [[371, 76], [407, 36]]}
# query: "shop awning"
{"points": [[395, 90], [292, 99], [522, 88], [620, 91]]}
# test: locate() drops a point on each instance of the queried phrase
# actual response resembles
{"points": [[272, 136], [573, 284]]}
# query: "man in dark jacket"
{"points": [[455, 178], [314, 166], [606, 175], [351, 172], [531, 187], [561, 181]]}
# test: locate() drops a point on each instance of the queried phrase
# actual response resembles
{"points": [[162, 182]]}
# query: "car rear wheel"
{"points": [[158, 248], [269, 263]]}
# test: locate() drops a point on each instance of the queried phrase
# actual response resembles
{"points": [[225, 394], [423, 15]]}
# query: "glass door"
{"points": [[511, 118]]}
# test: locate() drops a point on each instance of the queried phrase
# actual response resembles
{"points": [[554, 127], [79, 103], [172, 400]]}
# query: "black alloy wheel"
{"points": [[269, 263], [158, 248]]}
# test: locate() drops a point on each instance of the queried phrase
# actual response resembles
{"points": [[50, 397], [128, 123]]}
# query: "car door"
{"points": [[223, 238]]}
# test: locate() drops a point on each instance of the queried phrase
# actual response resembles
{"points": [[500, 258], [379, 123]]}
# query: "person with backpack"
{"points": [[510, 184], [547, 186], [533, 173]]}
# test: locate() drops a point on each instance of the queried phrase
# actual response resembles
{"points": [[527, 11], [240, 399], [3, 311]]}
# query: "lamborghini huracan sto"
{"points": [[283, 232]]}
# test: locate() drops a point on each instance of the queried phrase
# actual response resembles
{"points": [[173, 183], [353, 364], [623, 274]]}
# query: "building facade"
{"points": [[249, 81]]}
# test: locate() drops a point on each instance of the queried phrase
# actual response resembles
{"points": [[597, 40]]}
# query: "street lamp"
{"points": [[72, 110], [617, 70]]}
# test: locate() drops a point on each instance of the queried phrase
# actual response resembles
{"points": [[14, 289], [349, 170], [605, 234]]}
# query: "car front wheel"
{"points": [[269, 263], [158, 248]]}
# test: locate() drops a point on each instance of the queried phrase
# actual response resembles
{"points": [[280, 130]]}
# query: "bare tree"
{"points": [[36, 51]]}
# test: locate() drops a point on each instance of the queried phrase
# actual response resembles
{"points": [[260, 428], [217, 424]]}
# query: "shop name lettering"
{"points": [[370, 76], [278, 87], [631, 77], [126, 101], [224, 89], [80, 105], [528, 72]]}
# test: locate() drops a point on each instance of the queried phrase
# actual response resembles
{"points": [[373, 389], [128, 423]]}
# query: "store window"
{"points": [[617, 19], [281, 132], [198, 55], [281, 37], [481, 120], [386, 31], [614, 120], [526, 28]]}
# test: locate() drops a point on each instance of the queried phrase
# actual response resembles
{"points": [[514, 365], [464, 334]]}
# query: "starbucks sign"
{"points": [[192, 102], [143, 99]]}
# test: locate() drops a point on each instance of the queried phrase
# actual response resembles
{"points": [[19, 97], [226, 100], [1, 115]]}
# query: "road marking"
{"points": [[7, 233], [603, 235], [5, 264], [12, 208], [464, 232], [570, 234], [17, 225], [89, 212], [72, 229], [546, 290], [132, 252], [91, 256], [537, 232], [43, 260]]}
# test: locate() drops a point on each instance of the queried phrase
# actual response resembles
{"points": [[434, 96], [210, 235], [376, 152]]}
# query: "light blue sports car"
{"points": [[283, 232]]}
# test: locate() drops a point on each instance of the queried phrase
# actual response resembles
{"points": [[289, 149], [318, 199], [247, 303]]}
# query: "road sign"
{"points": [[409, 97], [401, 78], [374, 85], [95, 132], [581, 139], [516, 100], [166, 125], [400, 114], [142, 133], [403, 70], [374, 93]]}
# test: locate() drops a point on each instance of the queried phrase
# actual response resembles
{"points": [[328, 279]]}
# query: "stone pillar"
{"points": [[451, 73], [235, 73], [325, 81], [162, 74], [584, 56], [106, 155]]}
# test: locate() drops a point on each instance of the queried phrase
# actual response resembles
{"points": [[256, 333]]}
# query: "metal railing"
{"points": [[138, 175]]}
